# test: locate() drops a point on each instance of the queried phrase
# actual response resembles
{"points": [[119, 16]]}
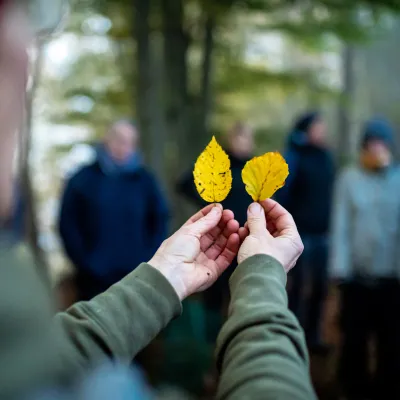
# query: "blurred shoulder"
{"points": [[396, 170], [350, 175], [82, 175], [350, 172], [149, 175]]}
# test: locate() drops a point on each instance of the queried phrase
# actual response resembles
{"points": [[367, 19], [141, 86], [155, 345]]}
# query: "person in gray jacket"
{"points": [[365, 260]]}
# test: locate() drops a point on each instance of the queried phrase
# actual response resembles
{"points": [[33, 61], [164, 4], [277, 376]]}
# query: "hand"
{"points": [[198, 253], [271, 231]]}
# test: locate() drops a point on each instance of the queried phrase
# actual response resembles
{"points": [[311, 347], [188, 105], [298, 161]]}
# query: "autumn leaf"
{"points": [[212, 173], [264, 175]]}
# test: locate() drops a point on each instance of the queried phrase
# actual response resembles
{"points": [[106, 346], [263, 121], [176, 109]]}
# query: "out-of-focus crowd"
{"points": [[114, 220]]}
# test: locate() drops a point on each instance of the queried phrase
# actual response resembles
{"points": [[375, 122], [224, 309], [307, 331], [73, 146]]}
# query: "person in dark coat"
{"points": [[113, 213], [365, 226], [240, 148], [307, 195]]}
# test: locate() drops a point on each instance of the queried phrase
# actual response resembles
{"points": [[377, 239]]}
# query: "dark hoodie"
{"points": [[307, 194], [113, 217]]}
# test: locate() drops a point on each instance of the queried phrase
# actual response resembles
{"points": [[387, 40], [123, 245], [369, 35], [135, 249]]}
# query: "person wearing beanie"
{"points": [[365, 262], [307, 195]]}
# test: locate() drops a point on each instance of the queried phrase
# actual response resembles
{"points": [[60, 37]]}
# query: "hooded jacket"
{"points": [[112, 218], [307, 194], [366, 218]]}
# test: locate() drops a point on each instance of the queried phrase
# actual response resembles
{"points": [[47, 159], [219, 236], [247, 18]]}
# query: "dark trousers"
{"points": [[88, 286], [310, 272], [370, 310]]}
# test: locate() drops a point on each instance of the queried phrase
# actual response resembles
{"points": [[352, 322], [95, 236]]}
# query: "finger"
{"points": [[202, 213], [279, 216], [209, 238], [206, 223], [243, 233], [219, 245], [256, 219], [226, 258]]}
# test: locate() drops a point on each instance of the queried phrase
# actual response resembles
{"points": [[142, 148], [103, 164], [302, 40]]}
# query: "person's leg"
{"points": [[296, 290], [318, 268], [87, 286], [388, 341], [353, 363]]}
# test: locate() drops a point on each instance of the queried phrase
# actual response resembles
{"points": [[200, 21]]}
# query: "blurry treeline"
{"points": [[186, 69]]}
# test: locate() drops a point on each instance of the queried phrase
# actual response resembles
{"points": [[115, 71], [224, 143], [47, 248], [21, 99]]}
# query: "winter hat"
{"points": [[304, 122], [378, 128]]}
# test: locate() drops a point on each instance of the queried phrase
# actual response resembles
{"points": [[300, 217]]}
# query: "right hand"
{"points": [[271, 231]]}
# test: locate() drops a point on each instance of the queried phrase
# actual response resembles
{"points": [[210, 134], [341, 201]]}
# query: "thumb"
{"points": [[256, 219], [208, 222]]}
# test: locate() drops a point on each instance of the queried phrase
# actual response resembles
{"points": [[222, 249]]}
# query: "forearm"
{"points": [[120, 322], [261, 349]]}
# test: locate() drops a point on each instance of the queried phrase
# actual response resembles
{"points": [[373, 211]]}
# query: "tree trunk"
{"points": [[27, 191], [176, 98], [181, 127], [206, 103], [344, 144], [149, 110]]}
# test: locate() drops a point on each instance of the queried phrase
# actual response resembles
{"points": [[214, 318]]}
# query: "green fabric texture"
{"points": [[38, 349], [261, 350]]}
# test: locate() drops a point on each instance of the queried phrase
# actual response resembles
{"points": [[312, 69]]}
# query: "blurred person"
{"points": [[261, 348], [307, 195], [365, 261], [113, 213], [240, 149]]}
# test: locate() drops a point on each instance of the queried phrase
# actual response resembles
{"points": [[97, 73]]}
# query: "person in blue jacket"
{"points": [[113, 213], [307, 195]]}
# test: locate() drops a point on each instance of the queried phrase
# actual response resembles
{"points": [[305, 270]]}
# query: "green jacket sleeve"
{"points": [[118, 323], [261, 350]]}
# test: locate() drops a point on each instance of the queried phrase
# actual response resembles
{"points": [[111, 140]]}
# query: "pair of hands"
{"points": [[195, 256]]}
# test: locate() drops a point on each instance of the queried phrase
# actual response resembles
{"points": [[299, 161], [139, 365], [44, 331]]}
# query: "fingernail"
{"points": [[255, 209]]}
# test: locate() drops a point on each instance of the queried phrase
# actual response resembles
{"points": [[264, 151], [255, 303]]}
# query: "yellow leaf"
{"points": [[212, 173], [264, 175]]}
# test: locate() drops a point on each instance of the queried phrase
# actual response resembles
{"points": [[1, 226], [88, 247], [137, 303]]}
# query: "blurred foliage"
{"points": [[184, 68]]}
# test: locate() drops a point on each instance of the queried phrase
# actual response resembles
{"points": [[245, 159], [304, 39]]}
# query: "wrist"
{"points": [[171, 275]]}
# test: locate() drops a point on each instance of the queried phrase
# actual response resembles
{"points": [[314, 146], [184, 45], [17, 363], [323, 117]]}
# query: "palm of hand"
{"points": [[196, 268], [197, 258]]}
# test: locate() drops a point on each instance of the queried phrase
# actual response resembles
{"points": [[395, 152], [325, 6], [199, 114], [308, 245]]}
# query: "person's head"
{"points": [[376, 144], [313, 126], [122, 140], [241, 140]]}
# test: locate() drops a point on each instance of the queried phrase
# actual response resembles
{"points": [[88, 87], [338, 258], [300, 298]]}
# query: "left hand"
{"points": [[199, 252]]}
